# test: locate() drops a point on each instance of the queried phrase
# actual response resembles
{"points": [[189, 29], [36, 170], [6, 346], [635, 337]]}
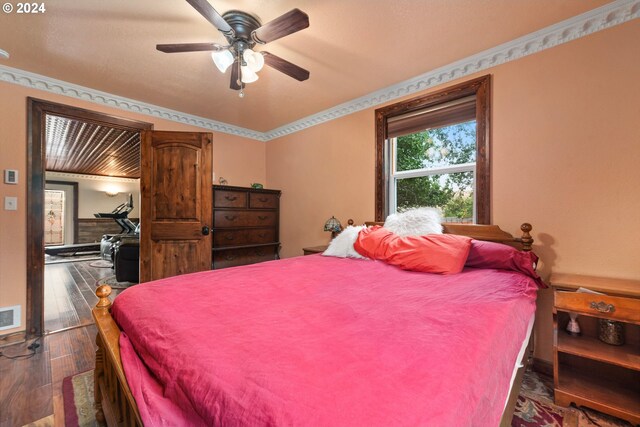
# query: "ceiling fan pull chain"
{"points": [[241, 94]]}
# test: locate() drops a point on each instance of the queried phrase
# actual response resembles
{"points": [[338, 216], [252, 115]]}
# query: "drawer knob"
{"points": [[229, 257], [230, 198], [230, 217], [229, 237], [263, 199], [602, 307], [262, 235], [259, 253], [262, 217]]}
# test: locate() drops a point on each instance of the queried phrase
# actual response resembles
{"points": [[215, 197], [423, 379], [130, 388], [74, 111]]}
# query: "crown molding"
{"points": [[48, 84], [609, 15], [53, 174], [595, 20]]}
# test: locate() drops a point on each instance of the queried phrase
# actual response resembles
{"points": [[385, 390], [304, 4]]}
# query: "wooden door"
{"points": [[175, 185]]}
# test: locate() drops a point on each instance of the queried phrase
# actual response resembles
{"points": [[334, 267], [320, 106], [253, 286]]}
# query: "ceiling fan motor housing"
{"points": [[243, 25]]}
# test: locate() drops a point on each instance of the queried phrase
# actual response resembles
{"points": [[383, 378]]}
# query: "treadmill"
{"points": [[119, 215]]}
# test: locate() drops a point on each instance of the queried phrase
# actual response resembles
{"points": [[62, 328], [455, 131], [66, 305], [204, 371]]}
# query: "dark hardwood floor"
{"points": [[69, 293], [31, 389]]}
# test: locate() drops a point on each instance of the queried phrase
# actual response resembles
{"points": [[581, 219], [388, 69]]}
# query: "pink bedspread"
{"points": [[323, 341]]}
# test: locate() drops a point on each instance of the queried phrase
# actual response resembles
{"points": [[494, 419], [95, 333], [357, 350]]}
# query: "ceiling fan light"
{"points": [[254, 60], [248, 76], [223, 59]]}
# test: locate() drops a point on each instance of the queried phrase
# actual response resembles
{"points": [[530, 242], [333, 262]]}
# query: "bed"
{"points": [[318, 341]]}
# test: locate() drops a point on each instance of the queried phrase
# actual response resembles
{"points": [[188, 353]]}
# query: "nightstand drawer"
{"points": [[617, 308]]}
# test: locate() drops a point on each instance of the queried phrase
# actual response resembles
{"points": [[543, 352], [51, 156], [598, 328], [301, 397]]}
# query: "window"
{"points": [[54, 217], [433, 151]]}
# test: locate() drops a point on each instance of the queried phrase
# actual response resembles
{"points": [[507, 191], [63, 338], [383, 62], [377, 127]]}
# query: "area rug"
{"points": [[111, 281], [43, 422], [101, 264], [77, 397], [535, 407]]}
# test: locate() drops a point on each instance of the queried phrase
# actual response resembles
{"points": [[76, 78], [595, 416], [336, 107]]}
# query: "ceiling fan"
{"points": [[243, 31]]}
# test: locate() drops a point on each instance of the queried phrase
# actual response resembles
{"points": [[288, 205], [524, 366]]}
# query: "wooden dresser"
{"points": [[245, 225], [588, 371]]}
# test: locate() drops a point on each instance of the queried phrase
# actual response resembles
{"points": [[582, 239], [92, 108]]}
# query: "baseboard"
{"points": [[13, 338], [543, 366]]}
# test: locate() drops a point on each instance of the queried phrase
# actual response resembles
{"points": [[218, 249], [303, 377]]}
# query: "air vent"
{"points": [[9, 317]]}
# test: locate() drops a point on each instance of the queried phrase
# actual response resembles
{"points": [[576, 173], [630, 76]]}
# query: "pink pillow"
{"points": [[432, 253], [496, 255]]}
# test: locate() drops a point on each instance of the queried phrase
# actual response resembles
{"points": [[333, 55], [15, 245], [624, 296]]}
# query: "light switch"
{"points": [[10, 203]]}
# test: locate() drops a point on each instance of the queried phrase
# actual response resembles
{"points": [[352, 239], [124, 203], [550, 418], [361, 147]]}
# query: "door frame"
{"points": [[37, 110]]}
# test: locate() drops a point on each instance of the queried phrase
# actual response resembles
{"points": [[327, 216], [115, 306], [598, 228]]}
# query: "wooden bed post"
{"points": [[104, 303], [526, 238], [114, 403]]}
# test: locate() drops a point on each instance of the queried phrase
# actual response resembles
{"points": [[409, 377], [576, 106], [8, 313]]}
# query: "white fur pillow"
{"points": [[415, 222], [342, 245]]}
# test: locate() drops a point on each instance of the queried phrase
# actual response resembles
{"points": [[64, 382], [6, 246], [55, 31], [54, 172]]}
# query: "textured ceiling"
{"points": [[352, 48], [86, 148]]}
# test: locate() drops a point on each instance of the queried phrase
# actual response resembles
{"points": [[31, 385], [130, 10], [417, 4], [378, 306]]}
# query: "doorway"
{"points": [[39, 111]]}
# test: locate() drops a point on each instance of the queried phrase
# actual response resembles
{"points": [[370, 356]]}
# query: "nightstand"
{"points": [[315, 249], [588, 371]]}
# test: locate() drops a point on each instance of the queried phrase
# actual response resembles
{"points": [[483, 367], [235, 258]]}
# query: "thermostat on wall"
{"points": [[10, 176]]}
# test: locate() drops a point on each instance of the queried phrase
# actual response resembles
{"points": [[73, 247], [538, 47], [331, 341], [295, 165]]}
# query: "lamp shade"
{"points": [[254, 60], [333, 225], [223, 59], [248, 76]]}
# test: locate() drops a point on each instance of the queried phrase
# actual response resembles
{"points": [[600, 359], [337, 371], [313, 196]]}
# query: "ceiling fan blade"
{"points": [[234, 77], [289, 23], [189, 47], [205, 9], [285, 67]]}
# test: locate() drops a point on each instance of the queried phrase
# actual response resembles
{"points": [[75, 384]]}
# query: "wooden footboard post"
{"points": [[114, 402], [97, 377], [104, 303]]}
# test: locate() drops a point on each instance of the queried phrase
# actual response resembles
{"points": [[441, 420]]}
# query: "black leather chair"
{"points": [[126, 259]]}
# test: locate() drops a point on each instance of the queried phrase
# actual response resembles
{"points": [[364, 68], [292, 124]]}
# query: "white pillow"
{"points": [[342, 245], [415, 222]]}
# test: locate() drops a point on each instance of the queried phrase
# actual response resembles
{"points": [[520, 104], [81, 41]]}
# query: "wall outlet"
{"points": [[10, 203], [9, 317]]}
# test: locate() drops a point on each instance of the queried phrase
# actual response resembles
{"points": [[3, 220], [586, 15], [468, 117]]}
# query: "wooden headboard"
{"points": [[491, 233]]}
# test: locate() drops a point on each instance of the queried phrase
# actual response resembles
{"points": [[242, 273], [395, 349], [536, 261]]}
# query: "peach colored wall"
{"points": [[240, 160], [565, 157]]}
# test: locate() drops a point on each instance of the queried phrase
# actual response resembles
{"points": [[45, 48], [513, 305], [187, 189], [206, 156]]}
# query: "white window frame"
{"points": [[393, 175]]}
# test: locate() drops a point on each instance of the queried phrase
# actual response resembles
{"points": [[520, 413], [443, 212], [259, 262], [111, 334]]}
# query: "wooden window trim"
{"points": [[481, 88]]}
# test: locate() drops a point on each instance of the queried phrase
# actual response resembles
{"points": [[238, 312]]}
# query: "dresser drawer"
{"points": [[617, 308], [230, 218], [243, 237], [229, 199], [264, 201], [244, 256]]}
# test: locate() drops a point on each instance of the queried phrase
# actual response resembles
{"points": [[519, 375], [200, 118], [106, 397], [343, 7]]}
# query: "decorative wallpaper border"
{"points": [[37, 81], [609, 15]]}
